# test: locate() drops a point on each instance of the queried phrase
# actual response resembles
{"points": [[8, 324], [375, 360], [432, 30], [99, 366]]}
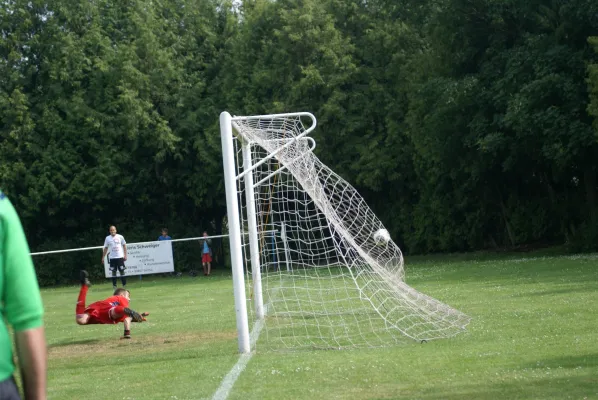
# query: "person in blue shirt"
{"points": [[206, 254], [164, 235]]}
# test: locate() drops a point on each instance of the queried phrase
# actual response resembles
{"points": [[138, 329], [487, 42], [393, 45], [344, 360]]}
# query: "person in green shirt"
{"points": [[22, 309]]}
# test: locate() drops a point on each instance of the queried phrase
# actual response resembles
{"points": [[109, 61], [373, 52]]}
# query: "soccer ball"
{"points": [[381, 237]]}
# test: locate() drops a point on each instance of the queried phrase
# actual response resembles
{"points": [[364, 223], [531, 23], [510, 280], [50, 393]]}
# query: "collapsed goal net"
{"points": [[320, 269]]}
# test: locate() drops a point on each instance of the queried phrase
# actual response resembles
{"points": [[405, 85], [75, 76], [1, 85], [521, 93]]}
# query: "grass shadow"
{"points": [[514, 272], [578, 387], [571, 290], [73, 343], [569, 362]]}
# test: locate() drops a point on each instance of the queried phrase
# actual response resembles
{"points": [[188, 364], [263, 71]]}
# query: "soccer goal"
{"points": [[312, 265]]}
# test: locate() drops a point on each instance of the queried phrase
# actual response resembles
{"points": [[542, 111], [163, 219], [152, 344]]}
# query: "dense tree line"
{"points": [[466, 124]]}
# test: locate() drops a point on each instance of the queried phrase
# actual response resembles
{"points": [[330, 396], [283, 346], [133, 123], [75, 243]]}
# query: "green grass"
{"points": [[532, 336]]}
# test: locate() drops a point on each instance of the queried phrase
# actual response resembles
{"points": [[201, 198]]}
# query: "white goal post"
{"points": [[321, 269]]}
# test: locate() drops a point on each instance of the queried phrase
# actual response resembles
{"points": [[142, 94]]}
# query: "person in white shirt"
{"points": [[118, 255]]}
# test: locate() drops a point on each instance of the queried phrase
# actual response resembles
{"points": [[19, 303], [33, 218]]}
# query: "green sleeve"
{"points": [[20, 292]]}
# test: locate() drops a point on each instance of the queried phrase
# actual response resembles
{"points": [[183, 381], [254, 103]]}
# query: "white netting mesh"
{"points": [[330, 278]]}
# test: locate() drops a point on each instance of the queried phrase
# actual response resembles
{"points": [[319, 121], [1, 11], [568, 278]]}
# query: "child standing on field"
{"points": [[206, 254]]}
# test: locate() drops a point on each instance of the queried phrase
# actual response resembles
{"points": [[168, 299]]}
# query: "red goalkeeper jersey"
{"points": [[99, 312]]}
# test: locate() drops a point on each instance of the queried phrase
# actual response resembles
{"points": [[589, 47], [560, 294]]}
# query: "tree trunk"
{"points": [[589, 178], [217, 248], [503, 210]]}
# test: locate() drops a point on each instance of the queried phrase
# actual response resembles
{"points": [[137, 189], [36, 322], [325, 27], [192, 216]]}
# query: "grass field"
{"points": [[532, 336]]}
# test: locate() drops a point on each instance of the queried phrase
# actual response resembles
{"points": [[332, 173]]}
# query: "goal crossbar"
{"points": [[288, 144]]}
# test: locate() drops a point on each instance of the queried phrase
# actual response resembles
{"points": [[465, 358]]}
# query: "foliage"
{"points": [[465, 124]]}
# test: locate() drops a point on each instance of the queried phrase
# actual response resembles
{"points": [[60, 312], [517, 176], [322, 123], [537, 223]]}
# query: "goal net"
{"points": [[322, 271]]}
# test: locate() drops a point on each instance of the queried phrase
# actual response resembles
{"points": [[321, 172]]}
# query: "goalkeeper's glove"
{"points": [[135, 316]]}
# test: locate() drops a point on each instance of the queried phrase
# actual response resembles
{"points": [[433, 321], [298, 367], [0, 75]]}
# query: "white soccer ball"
{"points": [[381, 237]]}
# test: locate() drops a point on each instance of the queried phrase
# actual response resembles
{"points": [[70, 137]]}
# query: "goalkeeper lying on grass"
{"points": [[112, 310]]}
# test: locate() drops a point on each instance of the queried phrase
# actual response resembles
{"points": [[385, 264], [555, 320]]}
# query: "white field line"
{"points": [[229, 380]]}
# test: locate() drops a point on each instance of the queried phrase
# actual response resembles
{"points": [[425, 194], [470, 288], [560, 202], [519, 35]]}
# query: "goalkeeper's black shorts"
{"points": [[117, 263]]}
